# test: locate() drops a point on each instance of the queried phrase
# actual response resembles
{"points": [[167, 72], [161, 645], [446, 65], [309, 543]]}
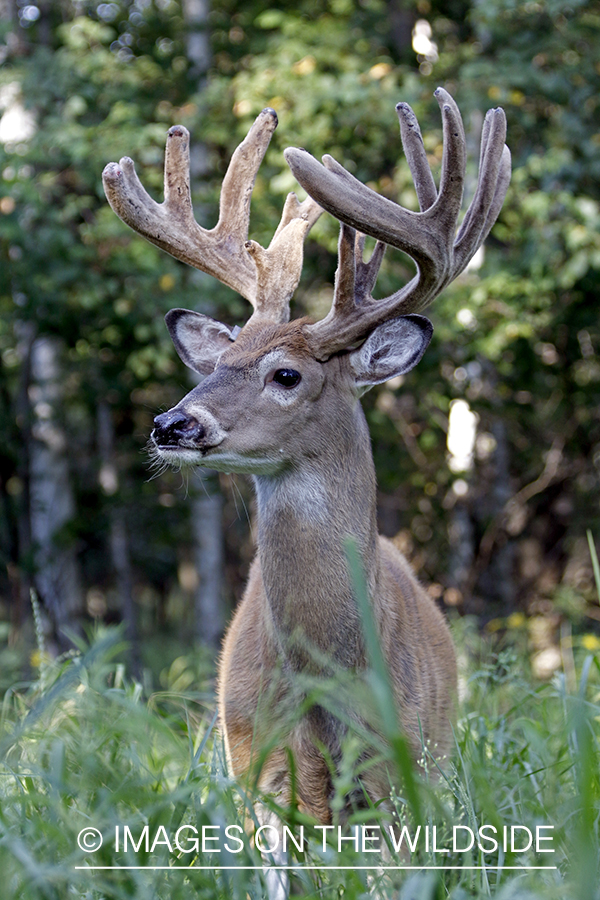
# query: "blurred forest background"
{"points": [[488, 457]]}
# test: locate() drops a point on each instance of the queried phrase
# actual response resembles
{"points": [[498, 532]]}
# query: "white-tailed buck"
{"points": [[280, 402]]}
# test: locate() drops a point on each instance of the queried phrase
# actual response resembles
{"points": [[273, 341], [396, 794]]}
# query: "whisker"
{"points": [[235, 487], [200, 476], [157, 465]]}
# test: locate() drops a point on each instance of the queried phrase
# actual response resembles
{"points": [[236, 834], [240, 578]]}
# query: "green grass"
{"points": [[85, 747]]}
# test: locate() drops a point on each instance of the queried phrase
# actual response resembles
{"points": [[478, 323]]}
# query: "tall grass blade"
{"points": [[71, 676], [380, 681], [595, 564]]}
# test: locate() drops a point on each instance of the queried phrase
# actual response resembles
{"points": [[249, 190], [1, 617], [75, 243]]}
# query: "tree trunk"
{"points": [[198, 46], [21, 577], [207, 506], [52, 505], [119, 538], [461, 534], [496, 582]]}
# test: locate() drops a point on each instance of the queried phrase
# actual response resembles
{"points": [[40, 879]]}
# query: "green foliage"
{"points": [[88, 751], [68, 267], [525, 355], [517, 339]]}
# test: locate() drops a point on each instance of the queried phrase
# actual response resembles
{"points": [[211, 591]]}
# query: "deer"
{"points": [[279, 400]]}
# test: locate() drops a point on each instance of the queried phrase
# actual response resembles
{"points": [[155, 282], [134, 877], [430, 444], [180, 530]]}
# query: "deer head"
{"points": [[258, 411]]}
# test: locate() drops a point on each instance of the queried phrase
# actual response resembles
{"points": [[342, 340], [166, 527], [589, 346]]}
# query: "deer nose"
{"points": [[174, 426]]}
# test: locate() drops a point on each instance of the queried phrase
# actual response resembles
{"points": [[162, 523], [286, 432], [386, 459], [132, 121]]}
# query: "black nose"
{"points": [[174, 426]]}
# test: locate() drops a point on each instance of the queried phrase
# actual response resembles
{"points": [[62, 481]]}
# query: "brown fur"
{"points": [[309, 451], [299, 611], [420, 658]]}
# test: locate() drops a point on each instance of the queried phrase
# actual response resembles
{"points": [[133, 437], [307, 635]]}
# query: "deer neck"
{"points": [[305, 516]]}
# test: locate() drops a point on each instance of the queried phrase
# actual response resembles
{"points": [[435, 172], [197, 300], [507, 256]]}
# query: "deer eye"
{"points": [[287, 378]]}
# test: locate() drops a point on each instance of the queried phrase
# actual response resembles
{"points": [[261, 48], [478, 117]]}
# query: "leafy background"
{"points": [[85, 364], [517, 338]]}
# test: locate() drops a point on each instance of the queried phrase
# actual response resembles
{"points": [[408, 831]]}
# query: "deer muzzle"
{"points": [[176, 428], [179, 430]]}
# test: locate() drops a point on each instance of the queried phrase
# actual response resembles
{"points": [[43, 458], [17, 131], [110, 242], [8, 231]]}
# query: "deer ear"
{"points": [[391, 349], [199, 340]]}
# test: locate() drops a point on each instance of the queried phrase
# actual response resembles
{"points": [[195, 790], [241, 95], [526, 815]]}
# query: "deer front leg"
{"points": [[313, 788], [253, 706], [258, 713], [245, 689], [275, 779]]}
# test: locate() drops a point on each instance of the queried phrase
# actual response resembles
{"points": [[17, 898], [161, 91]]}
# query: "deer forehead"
{"points": [[260, 349], [255, 340]]}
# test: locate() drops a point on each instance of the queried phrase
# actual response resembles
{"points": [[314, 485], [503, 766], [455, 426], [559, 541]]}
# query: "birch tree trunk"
{"points": [[52, 504], [119, 537], [21, 577]]}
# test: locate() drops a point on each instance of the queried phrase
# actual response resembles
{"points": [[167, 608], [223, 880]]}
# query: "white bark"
{"points": [[119, 537], [52, 504]]}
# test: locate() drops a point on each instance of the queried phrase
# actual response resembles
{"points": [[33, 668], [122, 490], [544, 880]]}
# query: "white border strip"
{"points": [[318, 868]]}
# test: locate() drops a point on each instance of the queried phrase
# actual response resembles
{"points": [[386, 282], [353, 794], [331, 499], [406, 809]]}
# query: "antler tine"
{"points": [[416, 157], [429, 236], [446, 209], [308, 210], [367, 272], [494, 178], [267, 278], [483, 146], [178, 197], [502, 185], [354, 278], [345, 277], [236, 190]]}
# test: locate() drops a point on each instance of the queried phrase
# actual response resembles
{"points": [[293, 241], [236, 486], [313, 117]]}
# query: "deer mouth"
{"points": [[180, 456], [182, 448], [213, 456]]}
